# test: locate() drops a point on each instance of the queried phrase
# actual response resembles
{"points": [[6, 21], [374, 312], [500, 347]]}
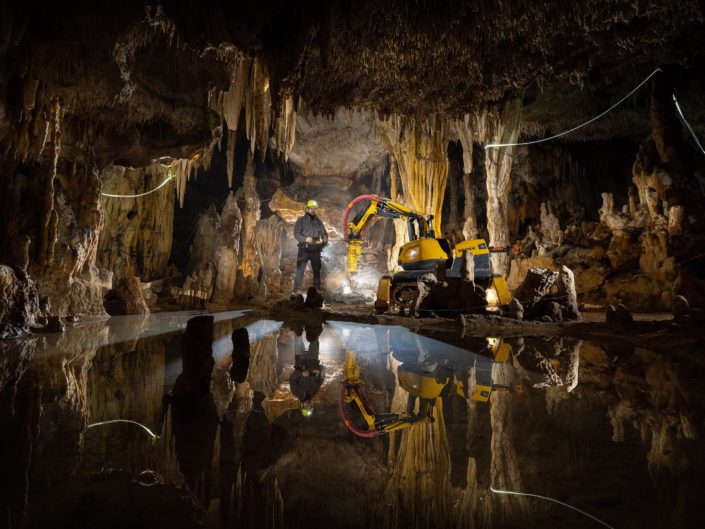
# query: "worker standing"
{"points": [[311, 235]]}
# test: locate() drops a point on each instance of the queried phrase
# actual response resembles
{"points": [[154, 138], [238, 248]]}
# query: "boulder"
{"points": [[549, 311], [520, 267], [536, 285], [566, 295], [127, 298], [515, 309], [618, 314]]}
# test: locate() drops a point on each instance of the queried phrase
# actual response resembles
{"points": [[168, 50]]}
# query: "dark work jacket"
{"points": [[310, 226]]}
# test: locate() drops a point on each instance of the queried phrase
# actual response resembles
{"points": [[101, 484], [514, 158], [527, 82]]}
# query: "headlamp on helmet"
{"points": [[306, 408]]}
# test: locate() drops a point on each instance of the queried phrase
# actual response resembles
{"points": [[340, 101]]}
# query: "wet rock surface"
{"points": [[19, 302]]}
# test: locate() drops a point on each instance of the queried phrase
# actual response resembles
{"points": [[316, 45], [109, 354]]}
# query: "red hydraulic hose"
{"points": [[348, 423], [373, 198]]}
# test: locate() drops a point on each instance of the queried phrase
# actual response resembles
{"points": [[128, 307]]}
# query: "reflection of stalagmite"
{"points": [[262, 375], [505, 469], [570, 358], [419, 487], [664, 421], [50, 394], [126, 381]]}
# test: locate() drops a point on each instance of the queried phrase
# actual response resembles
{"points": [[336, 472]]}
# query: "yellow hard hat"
{"points": [[306, 412], [311, 204]]}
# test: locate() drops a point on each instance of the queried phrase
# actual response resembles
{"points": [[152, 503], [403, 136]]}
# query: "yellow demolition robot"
{"points": [[422, 385], [421, 255]]}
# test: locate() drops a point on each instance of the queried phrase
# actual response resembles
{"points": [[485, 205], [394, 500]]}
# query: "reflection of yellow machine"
{"points": [[421, 255], [422, 385]]}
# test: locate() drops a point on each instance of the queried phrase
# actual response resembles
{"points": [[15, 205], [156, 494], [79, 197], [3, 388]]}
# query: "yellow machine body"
{"points": [[475, 246], [499, 285], [419, 384], [421, 254], [501, 352]]}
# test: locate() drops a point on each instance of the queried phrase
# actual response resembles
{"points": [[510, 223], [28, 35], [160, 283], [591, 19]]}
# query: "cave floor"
{"points": [[605, 418]]}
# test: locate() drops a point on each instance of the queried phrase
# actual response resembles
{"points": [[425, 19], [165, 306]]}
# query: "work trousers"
{"points": [[304, 256]]}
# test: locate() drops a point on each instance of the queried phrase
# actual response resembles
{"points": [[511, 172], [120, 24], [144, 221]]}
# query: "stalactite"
{"points": [[401, 234], [262, 108], [419, 150], [421, 163], [230, 156], [249, 90], [285, 127], [233, 100], [464, 130]]}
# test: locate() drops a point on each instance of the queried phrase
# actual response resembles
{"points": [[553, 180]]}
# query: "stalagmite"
{"points": [[226, 251], [249, 204], [268, 235], [501, 128], [506, 467]]}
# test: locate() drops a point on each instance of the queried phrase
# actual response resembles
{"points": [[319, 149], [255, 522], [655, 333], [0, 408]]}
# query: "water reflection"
{"points": [[614, 432]]}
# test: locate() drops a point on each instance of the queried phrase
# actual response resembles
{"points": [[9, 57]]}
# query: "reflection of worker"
{"points": [[195, 419], [312, 237], [308, 374], [241, 355]]}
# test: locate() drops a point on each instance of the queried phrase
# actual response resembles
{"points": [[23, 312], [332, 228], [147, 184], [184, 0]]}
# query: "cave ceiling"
{"points": [[138, 77]]}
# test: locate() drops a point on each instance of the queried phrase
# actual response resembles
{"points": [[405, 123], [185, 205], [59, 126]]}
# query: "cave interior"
{"points": [[155, 159]]}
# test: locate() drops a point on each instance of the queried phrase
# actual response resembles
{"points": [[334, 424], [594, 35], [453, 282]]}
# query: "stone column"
{"points": [[502, 129]]}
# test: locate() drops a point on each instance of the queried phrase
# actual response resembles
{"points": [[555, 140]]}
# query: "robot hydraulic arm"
{"points": [[385, 207], [369, 423]]}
